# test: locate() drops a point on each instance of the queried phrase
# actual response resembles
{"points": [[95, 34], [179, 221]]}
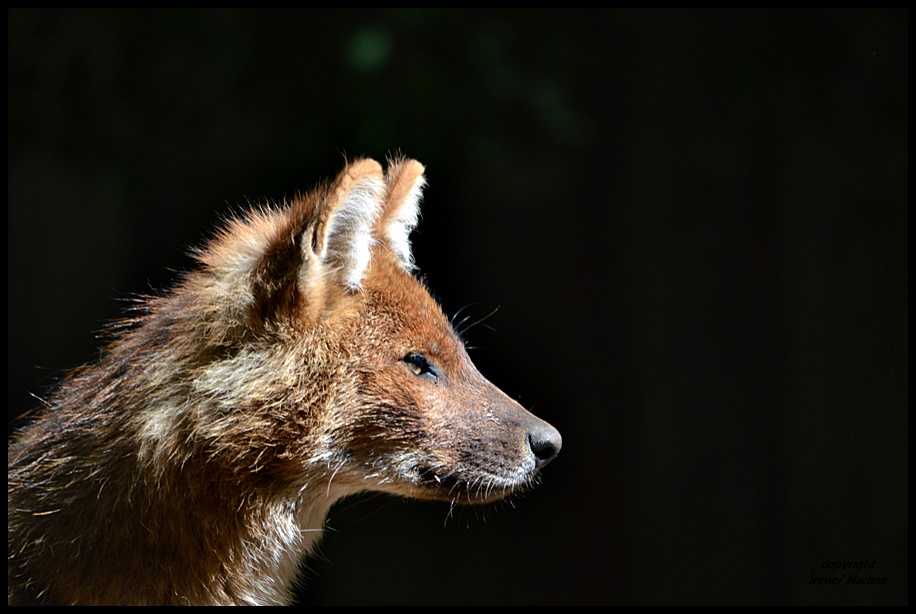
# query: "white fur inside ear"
{"points": [[349, 235], [399, 227]]}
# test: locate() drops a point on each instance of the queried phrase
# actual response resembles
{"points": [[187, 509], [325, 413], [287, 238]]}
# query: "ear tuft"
{"points": [[401, 212]]}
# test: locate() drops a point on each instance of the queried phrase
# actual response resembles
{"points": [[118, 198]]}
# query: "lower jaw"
{"points": [[456, 490]]}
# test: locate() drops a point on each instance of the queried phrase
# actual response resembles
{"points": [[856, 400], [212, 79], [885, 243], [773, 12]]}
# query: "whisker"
{"points": [[339, 467], [457, 313], [462, 330]]}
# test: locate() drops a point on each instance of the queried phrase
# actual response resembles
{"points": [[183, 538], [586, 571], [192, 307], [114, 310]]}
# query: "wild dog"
{"points": [[300, 362]]}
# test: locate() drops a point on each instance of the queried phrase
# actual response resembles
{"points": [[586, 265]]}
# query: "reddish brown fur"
{"points": [[196, 461]]}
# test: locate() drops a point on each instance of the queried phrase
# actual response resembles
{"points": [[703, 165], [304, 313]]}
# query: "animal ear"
{"points": [[401, 210], [318, 249], [339, 241]]}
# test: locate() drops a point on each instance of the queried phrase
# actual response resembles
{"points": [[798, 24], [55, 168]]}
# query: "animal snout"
{"points": [[545, 442]]}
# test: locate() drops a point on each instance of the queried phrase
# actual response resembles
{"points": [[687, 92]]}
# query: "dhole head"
{"points": [[379, 392], [300, 363]]}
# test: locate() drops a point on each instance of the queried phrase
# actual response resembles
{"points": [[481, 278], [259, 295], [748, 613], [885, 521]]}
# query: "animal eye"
{"points": [[419, 365]]}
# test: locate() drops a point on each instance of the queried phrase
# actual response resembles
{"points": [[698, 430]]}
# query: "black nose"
{"points": [[545, 441]]}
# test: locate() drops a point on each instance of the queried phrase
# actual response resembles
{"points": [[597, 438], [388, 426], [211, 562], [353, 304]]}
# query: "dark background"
{"points": [[694, 224]]}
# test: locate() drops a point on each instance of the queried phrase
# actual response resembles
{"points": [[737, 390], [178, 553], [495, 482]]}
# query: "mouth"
{"points": [[430, 478], [473, 490]]}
